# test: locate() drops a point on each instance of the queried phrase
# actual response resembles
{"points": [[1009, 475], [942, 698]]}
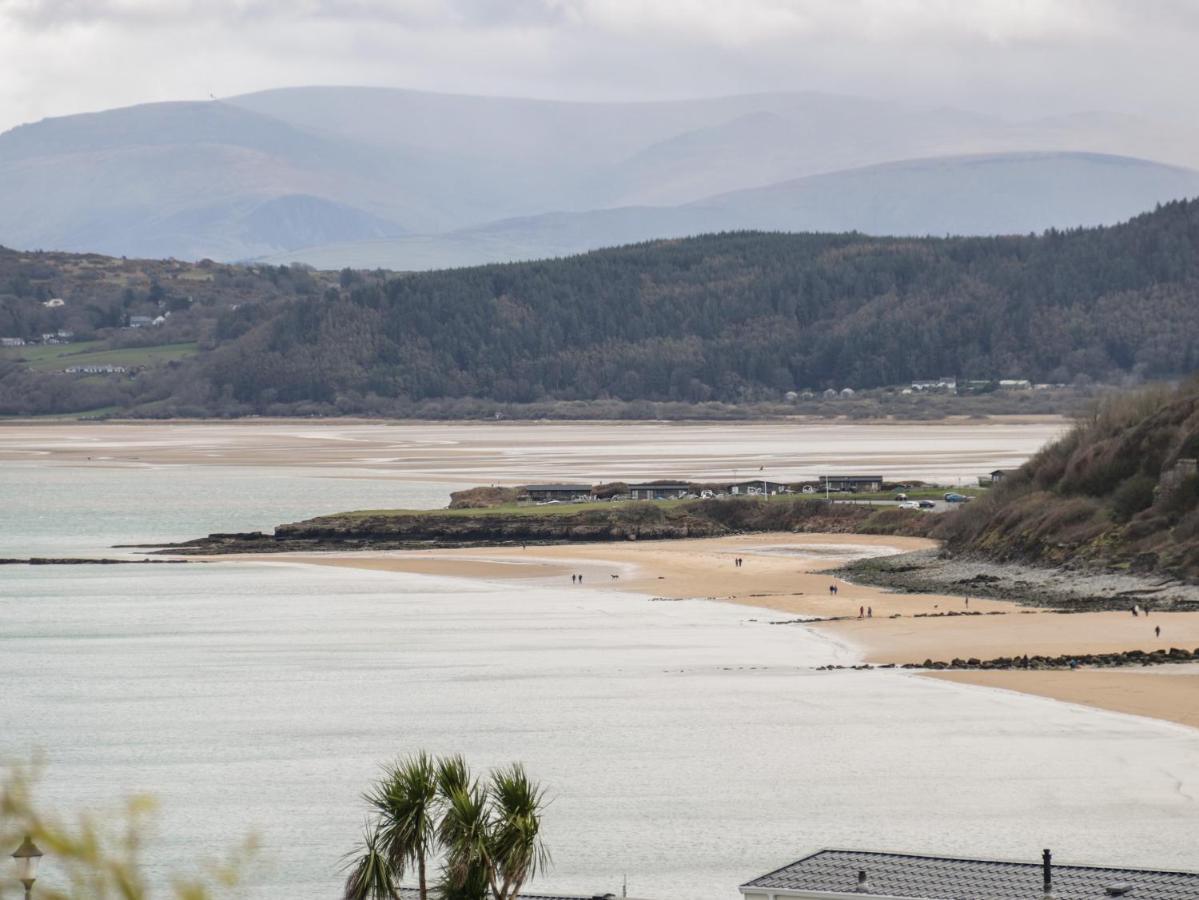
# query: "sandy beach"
{"points": [[782, 574]]}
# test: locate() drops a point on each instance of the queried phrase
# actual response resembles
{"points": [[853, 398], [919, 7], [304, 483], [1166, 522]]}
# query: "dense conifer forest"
{"points": [[733, 318]]}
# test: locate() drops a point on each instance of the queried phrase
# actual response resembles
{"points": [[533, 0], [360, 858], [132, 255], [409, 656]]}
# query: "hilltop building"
{"points": [[565, 492], [864, 483], [666, 490]]}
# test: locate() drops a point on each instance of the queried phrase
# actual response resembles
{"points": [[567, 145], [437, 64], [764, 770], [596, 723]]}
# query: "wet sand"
{"points": [[782, 574], [1163, 692], [950, 451]]}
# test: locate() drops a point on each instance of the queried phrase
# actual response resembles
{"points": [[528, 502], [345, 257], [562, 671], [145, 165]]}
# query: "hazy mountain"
{"points": [[275, 172], [1014, 193]]}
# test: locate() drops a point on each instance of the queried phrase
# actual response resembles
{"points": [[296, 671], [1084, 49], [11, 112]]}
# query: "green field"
{"points": [[512, 509], [47, 358], [927, 492], [565, 509]]}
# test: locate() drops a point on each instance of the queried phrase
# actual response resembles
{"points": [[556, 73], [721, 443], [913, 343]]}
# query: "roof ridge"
{"points": [[942, 857]]}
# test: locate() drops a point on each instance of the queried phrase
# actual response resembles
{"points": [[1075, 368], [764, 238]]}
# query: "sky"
{"points": [[1018, 58]]}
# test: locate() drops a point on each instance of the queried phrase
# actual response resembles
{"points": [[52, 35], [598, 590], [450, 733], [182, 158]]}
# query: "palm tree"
{"points": [[406, 802], [494, 832], [464, 833], [490, 835], [463, 876], [517, 851], [370, 872]]}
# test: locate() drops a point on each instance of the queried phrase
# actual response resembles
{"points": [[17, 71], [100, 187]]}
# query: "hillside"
{"points": [[1013, 193], [1121, 490], [330, 175], [733, 318]]}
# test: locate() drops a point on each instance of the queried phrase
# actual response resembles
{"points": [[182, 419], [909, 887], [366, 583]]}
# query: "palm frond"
{"points": [[370, 874]]}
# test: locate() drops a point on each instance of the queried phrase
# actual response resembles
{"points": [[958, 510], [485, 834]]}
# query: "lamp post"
{"points": [[27, 856]]}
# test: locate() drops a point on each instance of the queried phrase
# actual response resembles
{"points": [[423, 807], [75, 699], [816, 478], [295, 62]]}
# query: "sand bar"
{"points": [[468, 453]]}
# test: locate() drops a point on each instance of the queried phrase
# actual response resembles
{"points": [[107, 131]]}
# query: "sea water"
{"points": [[686, 745]]}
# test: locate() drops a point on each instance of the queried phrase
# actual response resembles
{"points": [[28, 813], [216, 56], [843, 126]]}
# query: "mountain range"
{"points": [[408, 180]]}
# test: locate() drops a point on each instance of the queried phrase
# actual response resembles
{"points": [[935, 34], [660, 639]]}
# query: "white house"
{"points": [[833, 874]]}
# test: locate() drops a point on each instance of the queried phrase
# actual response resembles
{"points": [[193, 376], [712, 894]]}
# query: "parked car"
{"points": [[926, 504], [952, 497]]}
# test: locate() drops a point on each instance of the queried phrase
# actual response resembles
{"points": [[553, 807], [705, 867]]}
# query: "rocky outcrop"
{"points": [[80, 561], [1066, 661], [1065, 588]]}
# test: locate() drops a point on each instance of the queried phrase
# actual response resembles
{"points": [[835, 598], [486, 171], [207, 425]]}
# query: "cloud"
{"points": [[1020, 57]]}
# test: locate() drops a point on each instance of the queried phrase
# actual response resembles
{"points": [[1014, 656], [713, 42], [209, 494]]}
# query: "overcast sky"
{"points": [[1015, 57]]}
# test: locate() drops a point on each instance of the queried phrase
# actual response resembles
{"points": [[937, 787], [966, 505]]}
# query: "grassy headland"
{"points": [[583, 522]]}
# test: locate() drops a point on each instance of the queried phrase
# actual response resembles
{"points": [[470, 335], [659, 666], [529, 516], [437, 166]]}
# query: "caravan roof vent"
{"points": [[1120, 889]]}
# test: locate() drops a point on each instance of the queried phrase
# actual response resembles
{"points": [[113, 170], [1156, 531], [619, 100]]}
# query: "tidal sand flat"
{"points": [[521, 452]]}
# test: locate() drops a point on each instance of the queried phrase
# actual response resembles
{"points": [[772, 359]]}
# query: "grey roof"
{"points": [[661, 485], [557, 487], [951, 878]]}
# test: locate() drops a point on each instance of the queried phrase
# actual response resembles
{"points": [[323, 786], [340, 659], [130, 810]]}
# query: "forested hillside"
{"points": [[1120, 490], [733, 317], [742, 316]]}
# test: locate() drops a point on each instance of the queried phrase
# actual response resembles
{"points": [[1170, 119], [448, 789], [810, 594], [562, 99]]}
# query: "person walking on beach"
{"points": [[967, 603], [869, 612], [1157, 631], [861, 611]]}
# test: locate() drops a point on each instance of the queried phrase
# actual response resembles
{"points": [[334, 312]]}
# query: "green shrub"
{"points": [[1132, 496]]}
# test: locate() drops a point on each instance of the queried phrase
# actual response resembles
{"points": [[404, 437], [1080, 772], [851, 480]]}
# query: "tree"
{"points": [[489, 835], [406, 803], [370, 875], [516, 851]]}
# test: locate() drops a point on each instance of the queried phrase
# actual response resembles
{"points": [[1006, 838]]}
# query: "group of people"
{"points": [[1144, 610], [576, 579], [738, 561]]}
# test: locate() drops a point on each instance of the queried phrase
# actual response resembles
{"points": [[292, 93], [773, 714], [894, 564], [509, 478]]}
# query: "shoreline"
{"points": [[791, 573]]}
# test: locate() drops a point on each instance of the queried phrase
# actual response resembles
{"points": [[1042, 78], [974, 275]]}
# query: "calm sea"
{"points": [[689, 746]]}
